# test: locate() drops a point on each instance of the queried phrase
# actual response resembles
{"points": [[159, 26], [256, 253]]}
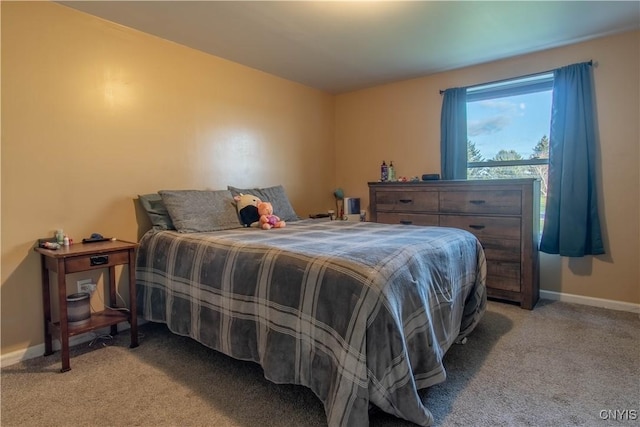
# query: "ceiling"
{"points": [[340, 46]]}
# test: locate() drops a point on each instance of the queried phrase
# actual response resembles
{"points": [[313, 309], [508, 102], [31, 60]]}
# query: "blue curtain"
{"points": [[572, 226], [453, 134]]}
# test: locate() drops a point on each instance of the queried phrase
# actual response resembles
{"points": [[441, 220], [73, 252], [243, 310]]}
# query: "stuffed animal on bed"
{"points": [[247, 206], [267, 219]]}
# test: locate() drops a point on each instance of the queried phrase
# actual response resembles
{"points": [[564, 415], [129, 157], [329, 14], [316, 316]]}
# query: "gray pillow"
{"points": [[194, 211], [274, 195], [158, 214]]}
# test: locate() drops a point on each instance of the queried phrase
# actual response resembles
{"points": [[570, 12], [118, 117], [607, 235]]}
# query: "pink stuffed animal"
{"points": [[267, 219]]}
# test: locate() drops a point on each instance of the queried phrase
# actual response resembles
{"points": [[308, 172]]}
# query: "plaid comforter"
{"points": [[361, 313]]}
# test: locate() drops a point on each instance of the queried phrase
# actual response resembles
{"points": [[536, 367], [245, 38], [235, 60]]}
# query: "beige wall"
{"points": [[401, 122], [94, 114]]}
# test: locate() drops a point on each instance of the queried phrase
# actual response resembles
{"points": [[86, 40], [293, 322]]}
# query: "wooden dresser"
{"points": [[503, 214]]}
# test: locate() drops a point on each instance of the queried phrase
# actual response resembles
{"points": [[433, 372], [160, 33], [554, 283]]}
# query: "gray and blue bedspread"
{"points": [[361, 313]]}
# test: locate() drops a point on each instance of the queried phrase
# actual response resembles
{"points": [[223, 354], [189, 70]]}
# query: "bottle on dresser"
{"points": [[391, 172], [384, 172]]}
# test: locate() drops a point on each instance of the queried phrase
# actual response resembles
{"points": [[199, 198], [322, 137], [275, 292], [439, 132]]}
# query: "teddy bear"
{"points": [[247, 206], [267, 219]]}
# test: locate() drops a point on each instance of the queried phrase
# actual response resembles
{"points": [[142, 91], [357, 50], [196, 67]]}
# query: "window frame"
{"points": [[532, 83]]}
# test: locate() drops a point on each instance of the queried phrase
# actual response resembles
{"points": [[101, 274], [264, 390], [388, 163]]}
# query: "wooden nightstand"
{"points": [[84, 257]]}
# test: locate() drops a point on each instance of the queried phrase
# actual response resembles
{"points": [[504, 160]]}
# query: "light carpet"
{"points": [[560, 364]]}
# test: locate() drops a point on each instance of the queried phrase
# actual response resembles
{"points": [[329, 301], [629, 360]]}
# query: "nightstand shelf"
{"points": [[98, 320], [78, 258]]}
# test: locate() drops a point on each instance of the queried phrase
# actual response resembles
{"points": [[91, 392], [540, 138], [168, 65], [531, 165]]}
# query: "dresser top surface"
{"points": [[466, 182]]}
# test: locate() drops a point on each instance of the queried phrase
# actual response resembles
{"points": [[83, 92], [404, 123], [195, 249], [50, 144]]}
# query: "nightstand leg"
{"points": [[133, 309], [64, 325], [113, 301], [46, 301]]}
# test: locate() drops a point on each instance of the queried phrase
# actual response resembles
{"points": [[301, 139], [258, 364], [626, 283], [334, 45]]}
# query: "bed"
{"points": [[361, 313]]}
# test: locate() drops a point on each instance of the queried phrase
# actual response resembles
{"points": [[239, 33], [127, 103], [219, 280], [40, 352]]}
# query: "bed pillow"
{"points": [[194, 211], [157, 211], [275, 195]]}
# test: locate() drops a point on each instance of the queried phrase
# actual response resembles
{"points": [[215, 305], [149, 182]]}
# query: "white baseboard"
{"points": [[38, 350], [594, 302]]}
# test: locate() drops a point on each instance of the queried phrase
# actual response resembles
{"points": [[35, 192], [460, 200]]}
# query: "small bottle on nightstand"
{"points": [[59, 236]]}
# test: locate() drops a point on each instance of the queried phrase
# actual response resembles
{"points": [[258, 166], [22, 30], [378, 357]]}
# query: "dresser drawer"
{"points": [[407, 218], [504, 275], [484, 226], [496, 249], [89, 262], [506, 202], [496, 282], [407, 201]]}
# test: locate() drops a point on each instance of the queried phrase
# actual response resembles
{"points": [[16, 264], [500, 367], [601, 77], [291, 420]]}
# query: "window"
{"points": [[508, 125]]}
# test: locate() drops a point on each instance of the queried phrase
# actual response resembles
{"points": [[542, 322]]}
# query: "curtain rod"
{"points": [[527, 75]]}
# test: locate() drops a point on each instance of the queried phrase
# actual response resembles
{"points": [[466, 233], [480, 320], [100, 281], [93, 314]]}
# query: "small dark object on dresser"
{"points": [[430, 176]]}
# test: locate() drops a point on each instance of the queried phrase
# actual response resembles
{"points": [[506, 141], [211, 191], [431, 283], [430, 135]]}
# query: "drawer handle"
{"points": [[477, 202], [476, 227], [99, 260], [405, 200], [406, 222]]}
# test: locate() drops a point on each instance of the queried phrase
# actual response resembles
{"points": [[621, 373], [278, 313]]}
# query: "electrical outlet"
{"points": [[86, 285]]}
